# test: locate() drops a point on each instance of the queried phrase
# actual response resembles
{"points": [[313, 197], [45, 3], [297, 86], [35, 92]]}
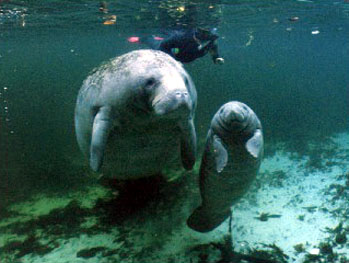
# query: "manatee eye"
{"points": [[150, 83]]}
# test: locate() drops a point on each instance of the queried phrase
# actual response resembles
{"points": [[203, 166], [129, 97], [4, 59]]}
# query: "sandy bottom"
{"points": [[296, 211]]}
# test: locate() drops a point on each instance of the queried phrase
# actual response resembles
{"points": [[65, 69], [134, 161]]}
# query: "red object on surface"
{"points": [[133, 39]]}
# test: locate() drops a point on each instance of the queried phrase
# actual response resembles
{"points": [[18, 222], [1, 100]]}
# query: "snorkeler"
{"points": [[186, 46], [103, 7]]}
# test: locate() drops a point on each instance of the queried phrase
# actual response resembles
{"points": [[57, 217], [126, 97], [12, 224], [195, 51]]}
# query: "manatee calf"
{"points": [[233, 153], [134, 115]]}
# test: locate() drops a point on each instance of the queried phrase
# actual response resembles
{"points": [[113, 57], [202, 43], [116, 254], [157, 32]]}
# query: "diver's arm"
{"points": [[214, 53]]}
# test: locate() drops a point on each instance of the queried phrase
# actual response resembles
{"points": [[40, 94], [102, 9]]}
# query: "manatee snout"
{"points": [[234, 113], [235, 116], [232, 117], [175, 102]]}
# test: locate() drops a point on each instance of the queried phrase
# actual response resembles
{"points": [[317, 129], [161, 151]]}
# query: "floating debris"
{"points": [[250, 38], [111, 20], [265, 216], [293, 18], [305, 1], [180, 8], [314, 251], [310, 209], [133, 39]]}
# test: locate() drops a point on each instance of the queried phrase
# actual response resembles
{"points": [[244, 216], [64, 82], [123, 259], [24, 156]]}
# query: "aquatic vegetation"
{"points": [[277, 178], [301, 217], [31, 245], [299, 248], [339, 228], [319, 151], [314, 162], [324, 253], [312, 258], [310, 209], [273, 252], [339, 191], [326, 248], [115, 217], [341, 238], [90, 252], [5, 213]]}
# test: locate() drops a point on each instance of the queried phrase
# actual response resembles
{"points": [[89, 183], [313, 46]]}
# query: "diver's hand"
{"points": [[219, 61]]}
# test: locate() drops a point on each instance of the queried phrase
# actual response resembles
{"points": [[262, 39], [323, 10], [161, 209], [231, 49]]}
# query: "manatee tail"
{"points": [[205, 220]]}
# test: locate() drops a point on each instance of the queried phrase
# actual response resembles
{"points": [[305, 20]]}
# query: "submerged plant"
{"points": [[341, 238], [299, 248], [326, 248], [301, 217]]}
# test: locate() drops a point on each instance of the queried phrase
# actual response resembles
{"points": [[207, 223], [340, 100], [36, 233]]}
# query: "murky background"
{"points": [[294, 74]]}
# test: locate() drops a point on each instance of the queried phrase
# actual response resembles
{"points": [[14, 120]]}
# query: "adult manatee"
{"points": [[233, 153], [134, 115]]}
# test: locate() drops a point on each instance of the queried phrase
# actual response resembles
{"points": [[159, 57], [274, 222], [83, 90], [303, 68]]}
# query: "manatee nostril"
{"points": [[181, 94], [236, 116]]}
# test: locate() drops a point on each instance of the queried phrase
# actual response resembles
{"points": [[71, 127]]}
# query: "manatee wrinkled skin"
{"points": [[233, 154], [134, 115]]}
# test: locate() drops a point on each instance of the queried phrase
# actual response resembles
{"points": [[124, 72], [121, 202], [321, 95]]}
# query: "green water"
{"points": [[293, 74]]}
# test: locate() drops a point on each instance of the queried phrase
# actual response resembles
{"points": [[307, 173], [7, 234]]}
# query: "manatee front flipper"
{"points": [[188, 144], [255, 144], [102, 124], [220, 154]]}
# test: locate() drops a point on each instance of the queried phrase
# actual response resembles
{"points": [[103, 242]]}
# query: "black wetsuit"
{"points": [[186, 46]]}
